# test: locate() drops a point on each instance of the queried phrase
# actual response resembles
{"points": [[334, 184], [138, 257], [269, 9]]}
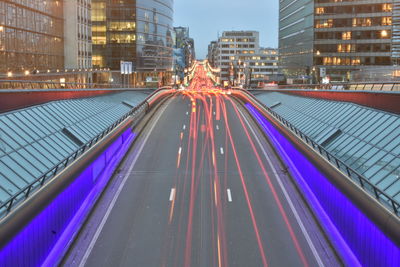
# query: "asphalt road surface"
{"points": [[202, 187]]}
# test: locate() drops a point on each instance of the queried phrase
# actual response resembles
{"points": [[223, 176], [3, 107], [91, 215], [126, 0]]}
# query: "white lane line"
{"points": [[228, 191], [172, 194], [187, 112], [221, 150], [214, 112], [285, 193], [180, 150], [114, 200], [184, 126], [217, 127]]}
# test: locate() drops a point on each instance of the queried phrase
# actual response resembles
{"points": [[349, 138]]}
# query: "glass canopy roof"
{"points": [[36, 139], [366, 139]]}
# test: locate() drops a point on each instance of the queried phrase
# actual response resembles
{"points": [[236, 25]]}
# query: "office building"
{"points": [[78, 34], [262, 67], [233, 45], [296, 33], [31, 36], [350, 36], [242, 61], [396, 33], [331, 39], [138, 31], [212, 53]]}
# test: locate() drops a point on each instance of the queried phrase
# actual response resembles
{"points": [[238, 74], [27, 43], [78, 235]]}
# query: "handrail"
{"points": [[24, 193], [30, 85], [390, 86], [349, 172]]}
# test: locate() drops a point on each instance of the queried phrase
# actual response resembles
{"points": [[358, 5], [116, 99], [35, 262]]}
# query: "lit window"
{"points": [[387, 7], [387, 21], [346, 35], [320, 10]]}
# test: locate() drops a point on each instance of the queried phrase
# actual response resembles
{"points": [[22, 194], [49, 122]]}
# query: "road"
{"points": [[202, 187]]}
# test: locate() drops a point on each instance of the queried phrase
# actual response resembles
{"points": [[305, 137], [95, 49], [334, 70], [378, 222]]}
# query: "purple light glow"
{"points": [[46, 237], [339, 215]]}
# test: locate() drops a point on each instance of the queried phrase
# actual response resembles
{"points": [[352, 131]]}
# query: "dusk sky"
{"points": [[206, 18]]}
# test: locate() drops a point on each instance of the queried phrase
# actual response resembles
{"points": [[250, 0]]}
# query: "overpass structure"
{"points": [[199, 177]]}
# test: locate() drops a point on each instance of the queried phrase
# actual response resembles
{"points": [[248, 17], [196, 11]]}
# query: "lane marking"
{"points": [[172, 194], [181, 135], [228, 191], [221, 150], [285, 193], [217, 127], [114, 200], [214, 112], [180, 150], [184, 127], [187, 112]]}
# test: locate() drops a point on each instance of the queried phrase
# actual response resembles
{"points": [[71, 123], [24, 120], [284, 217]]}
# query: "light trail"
{"points": [[272, 188]]}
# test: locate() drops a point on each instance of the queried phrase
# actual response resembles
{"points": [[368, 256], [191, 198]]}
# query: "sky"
{"points": [[207, 18]]}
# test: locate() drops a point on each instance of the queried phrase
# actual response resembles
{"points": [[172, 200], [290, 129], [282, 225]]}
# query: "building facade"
{"points": [[352, 35], [31, 36], [331, 39], [212, 53], [78, 34], [139, 31], [232, 46], [296, 33], [396, 33], [241, 60]]}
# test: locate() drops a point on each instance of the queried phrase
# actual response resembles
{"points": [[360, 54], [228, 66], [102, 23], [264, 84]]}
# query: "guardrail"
{"points": [[363, 182], [24, 193], [31, 85], [367, 86]]}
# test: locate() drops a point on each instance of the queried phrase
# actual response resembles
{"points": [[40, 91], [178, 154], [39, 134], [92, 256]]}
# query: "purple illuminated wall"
{"points": [[367, 242], [45, 238]]}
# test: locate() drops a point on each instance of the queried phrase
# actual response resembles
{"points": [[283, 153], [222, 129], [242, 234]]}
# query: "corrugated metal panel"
{"points": [[369, 140], [32, 140]]}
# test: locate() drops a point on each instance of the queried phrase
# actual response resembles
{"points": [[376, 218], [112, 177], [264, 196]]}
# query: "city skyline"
{"points": [[190, 14]]}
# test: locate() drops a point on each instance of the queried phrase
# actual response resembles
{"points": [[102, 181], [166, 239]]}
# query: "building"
{"points": [[296, 33], [241, 60], [31, 37], [329, 38], [78, 34], [352, 36], [233, 45], [396, 33], [138, 31], [262, 67], [184, 42], [184, 52], [212, 53]]}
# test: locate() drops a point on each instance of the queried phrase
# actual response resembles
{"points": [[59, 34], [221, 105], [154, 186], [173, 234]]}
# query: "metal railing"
{"points": [[367, 86], [359, 179], [39, 182], [37, 85]]}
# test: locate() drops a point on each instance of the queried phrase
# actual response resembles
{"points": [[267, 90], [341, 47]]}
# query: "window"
{"points": [[320, 10], [346, 35]]}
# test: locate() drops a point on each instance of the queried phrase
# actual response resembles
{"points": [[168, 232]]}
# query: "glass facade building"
{"points": [[396, 33], [334, 38], [296, 33], [31, 35], [133, 30], [351, 35]]}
